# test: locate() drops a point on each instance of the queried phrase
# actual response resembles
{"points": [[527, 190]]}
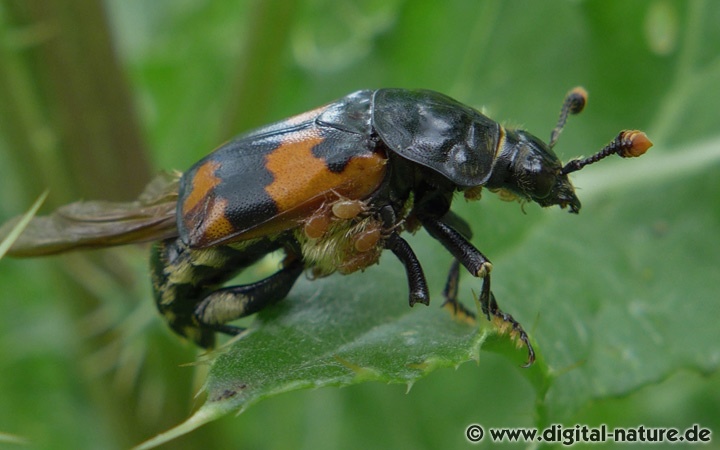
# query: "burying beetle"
{"points": [[332, 188]]}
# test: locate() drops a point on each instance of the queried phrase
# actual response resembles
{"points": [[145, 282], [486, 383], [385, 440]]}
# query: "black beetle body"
{"points": [[333, 188]]}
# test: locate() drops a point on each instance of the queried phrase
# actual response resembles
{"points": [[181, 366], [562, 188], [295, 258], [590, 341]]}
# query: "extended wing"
{"points": [[97, 224]]}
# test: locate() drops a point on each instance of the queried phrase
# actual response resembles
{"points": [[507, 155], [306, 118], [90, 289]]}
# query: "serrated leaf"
{"points": [[336, 331], [645, 302], [601, 290], [614, 299]]}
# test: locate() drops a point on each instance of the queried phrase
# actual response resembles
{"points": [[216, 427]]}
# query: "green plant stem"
{"points": [[260, 64], [84, 99]]}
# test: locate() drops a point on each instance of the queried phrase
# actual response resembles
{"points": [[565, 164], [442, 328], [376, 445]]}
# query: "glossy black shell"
{"points": [[433, 130]]}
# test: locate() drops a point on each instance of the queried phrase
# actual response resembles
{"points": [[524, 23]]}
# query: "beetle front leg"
{"points": [[227, 304], [491, 310], [478, 265], [470, 257], [417, 284]]}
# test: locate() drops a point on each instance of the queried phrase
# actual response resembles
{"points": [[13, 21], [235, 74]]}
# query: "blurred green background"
{"points": [[95, 97]]}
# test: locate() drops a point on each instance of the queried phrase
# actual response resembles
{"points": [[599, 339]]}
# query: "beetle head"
{"points": [[534, 172]]}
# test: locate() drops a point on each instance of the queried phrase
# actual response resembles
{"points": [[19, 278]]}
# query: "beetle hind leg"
{"points": [[230, 303]]}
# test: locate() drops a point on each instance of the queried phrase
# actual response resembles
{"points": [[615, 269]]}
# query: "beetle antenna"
{"points": [[627, 144], [574, 103]]}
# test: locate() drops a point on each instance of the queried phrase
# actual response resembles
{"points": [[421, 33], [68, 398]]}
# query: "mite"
{"points": [[332, 188]]}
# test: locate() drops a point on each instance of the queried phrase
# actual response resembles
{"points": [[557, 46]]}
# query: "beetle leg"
{"points": [[470, 257], [450, 293], [458, 223], [227, 304], [490, 308], [419, 292], [479, 266]]}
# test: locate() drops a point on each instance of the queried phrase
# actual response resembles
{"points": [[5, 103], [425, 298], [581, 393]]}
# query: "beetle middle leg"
{"points": [[450, 293], [419, 292], [230, 303], [417, 284]]}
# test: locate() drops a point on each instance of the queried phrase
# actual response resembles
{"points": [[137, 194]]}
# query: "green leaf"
{"points": [[337, 331], [12, 439], [620, 301], [614, 299], [618, 311], [626, 298]]}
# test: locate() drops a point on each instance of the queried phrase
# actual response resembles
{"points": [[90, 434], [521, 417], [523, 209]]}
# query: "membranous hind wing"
{"points": [[98, 224]]}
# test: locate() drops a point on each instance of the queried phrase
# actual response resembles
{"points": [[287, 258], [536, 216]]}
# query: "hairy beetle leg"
{"points": [[228, 304], [517, 331], [489, 306], [492, 311]]}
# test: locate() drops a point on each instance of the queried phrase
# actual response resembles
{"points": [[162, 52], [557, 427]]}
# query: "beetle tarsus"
{"points": [[230, 330], [516, 330], [504, 321]]}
